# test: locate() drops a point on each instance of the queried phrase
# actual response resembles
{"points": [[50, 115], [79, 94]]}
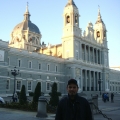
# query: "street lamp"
{"points": [[99, 82], [14, 72]]}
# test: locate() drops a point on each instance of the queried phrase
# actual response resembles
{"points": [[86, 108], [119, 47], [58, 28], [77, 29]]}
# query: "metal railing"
{"points": [[100, 112]]}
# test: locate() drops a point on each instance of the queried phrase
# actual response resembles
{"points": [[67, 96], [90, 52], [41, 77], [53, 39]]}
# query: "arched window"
{"points": [[98, 34], [68, 19], [76, 18], [29, 85], [24, 37]]}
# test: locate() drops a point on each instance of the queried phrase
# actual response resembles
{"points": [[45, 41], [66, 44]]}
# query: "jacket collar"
{"points": [[75, 98]]}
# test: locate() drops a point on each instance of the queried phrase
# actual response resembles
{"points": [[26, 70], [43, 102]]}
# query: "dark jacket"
{"points": [[77, 110]]}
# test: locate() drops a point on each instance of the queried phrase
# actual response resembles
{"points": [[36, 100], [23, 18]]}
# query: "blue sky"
{"points": [[47, 15]]}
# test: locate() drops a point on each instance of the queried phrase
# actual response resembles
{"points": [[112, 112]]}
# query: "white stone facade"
{"points": [[84, 57]]}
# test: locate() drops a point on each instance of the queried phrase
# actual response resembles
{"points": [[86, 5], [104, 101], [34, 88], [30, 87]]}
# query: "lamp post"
{"points": [[99, 82], [14, 72]]}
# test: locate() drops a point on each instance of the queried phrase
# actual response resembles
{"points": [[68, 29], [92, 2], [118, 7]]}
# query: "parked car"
{"points": [[2, 100]]}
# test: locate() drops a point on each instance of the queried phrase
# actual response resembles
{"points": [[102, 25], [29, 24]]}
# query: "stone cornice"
{"points": [[35, 55], [114, 81], [86, 41], [85, 63], [92, 43], [32, 71], [4, 77]]}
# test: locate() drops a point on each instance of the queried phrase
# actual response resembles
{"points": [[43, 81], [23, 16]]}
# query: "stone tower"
{"points": [[100, 30], [101, 37], [71, 30]]}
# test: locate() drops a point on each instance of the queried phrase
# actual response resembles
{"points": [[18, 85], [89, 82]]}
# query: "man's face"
{"points": [[72, 89]]}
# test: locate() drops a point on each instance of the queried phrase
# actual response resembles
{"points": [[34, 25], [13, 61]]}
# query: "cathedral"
{"points": [[82, 56]]}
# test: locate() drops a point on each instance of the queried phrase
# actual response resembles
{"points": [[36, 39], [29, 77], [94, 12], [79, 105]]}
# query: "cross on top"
{"points": [[27, 4], [98, 7]]}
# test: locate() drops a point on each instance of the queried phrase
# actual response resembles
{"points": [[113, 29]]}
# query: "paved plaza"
{"points": [[112, 110]]}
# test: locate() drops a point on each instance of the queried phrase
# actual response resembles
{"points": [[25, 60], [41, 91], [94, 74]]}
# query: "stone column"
{"points": [[85, 52], [101, 81], [80, 52], [93, 55], [73, 72], [107, 84], [108, 58], [83, 78], [81, 81], [97, 56], [97, 81], [86, 80], [100, 56], [90, 79], [89, 52], [94, 80], [78, 77]]}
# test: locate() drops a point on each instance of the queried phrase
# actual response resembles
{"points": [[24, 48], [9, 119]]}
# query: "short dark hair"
{"points": [[72, 81]]}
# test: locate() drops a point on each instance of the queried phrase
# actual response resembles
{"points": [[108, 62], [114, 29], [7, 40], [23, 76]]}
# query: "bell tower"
{"points": [[71, 30], [101, 37], [100, 30]]}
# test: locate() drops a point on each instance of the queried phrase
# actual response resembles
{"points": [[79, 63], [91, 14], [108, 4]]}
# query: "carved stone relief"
{"points": [[77, 72], [107, 76]]}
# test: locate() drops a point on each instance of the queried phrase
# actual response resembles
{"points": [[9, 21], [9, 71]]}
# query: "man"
{"points": [[73, 107], [15, 97], [112, 96]]}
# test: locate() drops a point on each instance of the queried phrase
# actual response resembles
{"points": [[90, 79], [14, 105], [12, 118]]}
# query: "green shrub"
{"points": [[31, 94], [37, 92], [27, 107], [51, 109], [54, 95], [18, 106], [23, 98]]}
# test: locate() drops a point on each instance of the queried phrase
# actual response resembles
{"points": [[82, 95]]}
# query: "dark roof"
{"points": [[71, 4], [99, 21], [25, 25]]}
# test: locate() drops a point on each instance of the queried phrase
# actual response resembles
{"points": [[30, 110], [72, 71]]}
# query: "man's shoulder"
{"points": [[80, 98], [63, 100]]}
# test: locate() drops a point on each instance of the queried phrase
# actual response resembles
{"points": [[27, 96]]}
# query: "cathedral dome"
{"points": [[26, 35], [26, 24]]}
